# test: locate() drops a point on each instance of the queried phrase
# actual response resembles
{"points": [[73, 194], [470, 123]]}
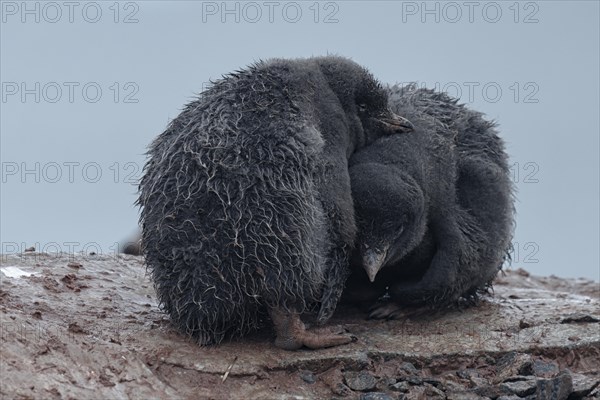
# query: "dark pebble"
{"points": [[521, 388], [435, 382], [375, 396], [384, 383], [558, 388], [467, 373], [360, 381], [415, 380], [492, 391], [512, 364], [583, 385], [464, 395], [543, 369], [308, 377], [578, 318], [409, 368], [400, 387], [524, 324], [431, 392]]}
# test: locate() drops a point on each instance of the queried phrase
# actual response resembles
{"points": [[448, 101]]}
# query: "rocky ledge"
{"points": [[78, 327]]}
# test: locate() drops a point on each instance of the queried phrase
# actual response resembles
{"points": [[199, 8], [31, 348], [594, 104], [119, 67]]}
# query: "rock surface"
{"points": [[89, 327]]}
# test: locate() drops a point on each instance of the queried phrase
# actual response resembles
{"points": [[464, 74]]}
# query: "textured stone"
{"points": [[409, 368], [376, 396], [464, 395], [308, 376], [360, 381], [431, 392], [583, 385], [558, 388], [400, 386], [521, 388], [544, 369], [492, 391], [512, 364]]}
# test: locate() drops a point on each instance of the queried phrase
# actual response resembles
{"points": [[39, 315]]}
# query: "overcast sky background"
{"points": [[70, 156]]}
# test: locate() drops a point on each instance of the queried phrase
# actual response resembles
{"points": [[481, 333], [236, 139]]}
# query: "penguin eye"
{"points": [[362, 107]]}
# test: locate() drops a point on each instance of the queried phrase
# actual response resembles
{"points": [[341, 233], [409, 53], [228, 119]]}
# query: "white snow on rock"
{"points": [[15, 272]]}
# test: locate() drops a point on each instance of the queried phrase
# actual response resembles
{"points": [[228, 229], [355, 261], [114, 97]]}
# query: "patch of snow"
{"points": [[14, 272]]}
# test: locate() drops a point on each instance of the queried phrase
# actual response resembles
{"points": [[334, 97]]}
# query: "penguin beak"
{"points": [[393, 123], [373, 261]]}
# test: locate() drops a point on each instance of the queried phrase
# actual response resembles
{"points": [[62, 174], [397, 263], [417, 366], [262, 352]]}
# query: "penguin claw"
{"points": [[292, 334], [314, 340], [384, 311], [393, 311]]}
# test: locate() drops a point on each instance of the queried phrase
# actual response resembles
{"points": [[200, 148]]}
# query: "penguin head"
{"points": [[389, 211], [363, 97]]}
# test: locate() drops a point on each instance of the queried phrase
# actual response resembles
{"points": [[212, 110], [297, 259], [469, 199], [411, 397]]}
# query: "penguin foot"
{"points": [[391, 310], [292, 334], [388, 310]]}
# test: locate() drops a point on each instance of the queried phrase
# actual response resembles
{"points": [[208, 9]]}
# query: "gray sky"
{"points": [[87, 85]]}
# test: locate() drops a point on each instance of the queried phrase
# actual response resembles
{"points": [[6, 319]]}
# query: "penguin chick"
{"points": [[434, 208], [246, 206], [402, 190]]}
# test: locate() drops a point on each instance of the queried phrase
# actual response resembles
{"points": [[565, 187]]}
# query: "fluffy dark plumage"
{"points": [[434, 208], [246, 201]]}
